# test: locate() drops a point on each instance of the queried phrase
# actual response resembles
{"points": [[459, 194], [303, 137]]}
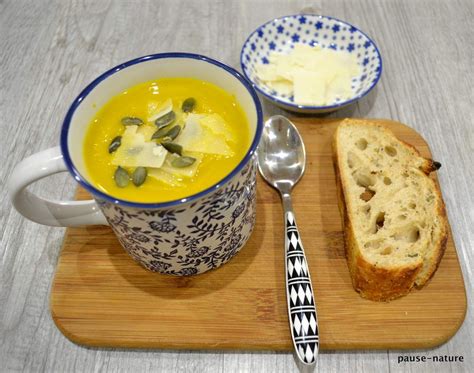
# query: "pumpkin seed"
{"points": [[139, 176], [166, 133], [131, 121], [121, 177], [160, 133], [114, 145], [165, 120], [182, 162], [188, 104], [173, 132], [172, 147]]}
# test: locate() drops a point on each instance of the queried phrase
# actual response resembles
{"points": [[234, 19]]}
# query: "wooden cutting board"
{"points": [[101, 297]]}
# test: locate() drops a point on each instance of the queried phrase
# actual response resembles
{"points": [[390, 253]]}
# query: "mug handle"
{"points": [[43, 211]]}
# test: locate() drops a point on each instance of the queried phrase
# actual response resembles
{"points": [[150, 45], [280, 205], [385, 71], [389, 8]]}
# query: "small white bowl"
{"points": [[281, 34]]}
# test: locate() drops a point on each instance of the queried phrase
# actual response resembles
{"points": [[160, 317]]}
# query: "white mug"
{"points": [[181, 237]]}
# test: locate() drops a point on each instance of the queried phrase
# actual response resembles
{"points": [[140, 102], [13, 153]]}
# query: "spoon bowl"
{"points": [[281, 154]]}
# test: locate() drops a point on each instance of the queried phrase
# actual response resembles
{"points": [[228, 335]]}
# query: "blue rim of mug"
{"points": [[67, 122], [279, 101]]}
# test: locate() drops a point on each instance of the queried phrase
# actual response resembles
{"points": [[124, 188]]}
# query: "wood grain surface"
{"points": [[51, 49], [102, 298]]}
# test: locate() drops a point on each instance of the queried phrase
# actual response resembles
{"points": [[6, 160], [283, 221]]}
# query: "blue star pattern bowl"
{"points": [[281, 34]]}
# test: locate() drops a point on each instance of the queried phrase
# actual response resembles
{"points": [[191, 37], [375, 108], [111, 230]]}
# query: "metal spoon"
{"points": [[281, 162]]}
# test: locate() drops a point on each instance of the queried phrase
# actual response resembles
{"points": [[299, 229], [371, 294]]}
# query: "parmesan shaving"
{"points": [[313, 75], [134, 151], [157, 110]]}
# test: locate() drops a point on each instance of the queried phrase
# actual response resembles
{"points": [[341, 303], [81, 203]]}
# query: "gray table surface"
{"points": [[49, 50]]}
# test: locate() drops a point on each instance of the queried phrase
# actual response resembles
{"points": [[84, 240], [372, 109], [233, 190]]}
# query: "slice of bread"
{"points": [[395, 226]]}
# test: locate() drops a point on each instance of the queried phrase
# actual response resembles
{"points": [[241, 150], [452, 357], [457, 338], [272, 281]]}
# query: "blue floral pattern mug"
{"points": [[189, 238], [182, 237]]}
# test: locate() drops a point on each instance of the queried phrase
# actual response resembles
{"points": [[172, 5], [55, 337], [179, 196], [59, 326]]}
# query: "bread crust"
{"points": [[440, 247], [371, 282]]}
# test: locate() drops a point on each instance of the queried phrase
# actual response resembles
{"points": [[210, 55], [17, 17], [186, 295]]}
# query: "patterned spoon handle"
{"points": [[299, 296]]}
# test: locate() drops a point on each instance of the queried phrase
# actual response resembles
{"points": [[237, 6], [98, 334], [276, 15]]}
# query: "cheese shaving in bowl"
{"points": [[206, 134], [313, 75], [136, 151]]}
